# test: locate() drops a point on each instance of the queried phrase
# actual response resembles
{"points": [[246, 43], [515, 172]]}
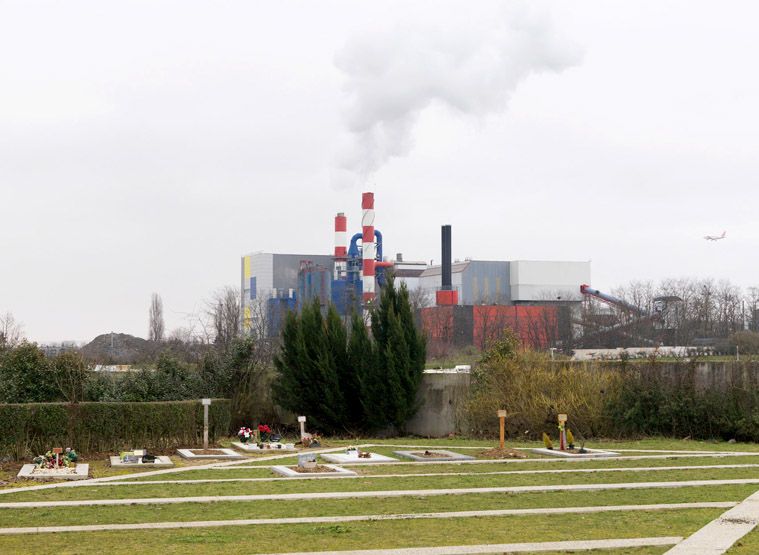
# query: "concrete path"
{"points": [[425, 475], [561, 459], [505, 547], [357, 518], [370, 494], [720, 534]]}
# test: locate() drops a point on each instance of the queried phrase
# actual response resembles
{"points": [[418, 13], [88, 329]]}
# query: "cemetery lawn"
{"points": [[410, 482], [438, 527], [227, 510], [376, 534]]}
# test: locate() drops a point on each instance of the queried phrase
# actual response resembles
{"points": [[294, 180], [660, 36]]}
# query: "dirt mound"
{"points": [[117, 348], [498, 453]]}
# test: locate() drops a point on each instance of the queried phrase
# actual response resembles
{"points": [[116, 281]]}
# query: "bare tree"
{"points": [[70, 375], [156, 325], [419, 298], [224, 311], [11, 331]]}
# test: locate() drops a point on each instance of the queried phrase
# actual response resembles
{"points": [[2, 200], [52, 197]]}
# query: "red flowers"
{"points": [[264, 429]]}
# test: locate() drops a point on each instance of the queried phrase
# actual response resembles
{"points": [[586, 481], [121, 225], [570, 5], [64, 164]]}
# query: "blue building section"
{"points": [[346, 296], [276, 313]]}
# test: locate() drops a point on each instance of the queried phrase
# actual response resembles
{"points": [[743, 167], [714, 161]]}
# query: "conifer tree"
{"points": [[400, 355], [308, 380], [362, 386]]}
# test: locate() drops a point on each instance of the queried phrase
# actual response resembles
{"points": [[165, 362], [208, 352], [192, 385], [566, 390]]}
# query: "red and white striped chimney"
{"points": [[369, 248], [341, 245]]}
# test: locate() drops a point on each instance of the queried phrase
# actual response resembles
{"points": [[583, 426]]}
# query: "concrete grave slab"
{"points": [[162, 461], [444, 455], [591, 453], [343, 458], [253, 448], [290, 473], [80, 472], [221, 453]]}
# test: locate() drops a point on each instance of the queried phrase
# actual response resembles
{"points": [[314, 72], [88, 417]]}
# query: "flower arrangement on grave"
{"points": [[570, 439], [311, 440], [54, 461], [245, 434], [547, 441], [265, 431]]}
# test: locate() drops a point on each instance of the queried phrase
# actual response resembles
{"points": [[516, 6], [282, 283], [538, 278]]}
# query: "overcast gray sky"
{"points": [[144, 146]]}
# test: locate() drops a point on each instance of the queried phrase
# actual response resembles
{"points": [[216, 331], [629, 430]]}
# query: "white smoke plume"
{"points": [[469, 65]]}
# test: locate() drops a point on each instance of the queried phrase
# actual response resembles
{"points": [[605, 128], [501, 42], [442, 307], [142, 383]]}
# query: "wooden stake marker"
{"points": [[502, 421]]}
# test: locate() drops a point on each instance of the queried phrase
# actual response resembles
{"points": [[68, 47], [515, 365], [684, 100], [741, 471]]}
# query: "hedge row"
{"points": [[29, 429]]}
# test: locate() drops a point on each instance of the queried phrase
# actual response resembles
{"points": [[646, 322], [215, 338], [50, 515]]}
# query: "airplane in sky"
{"points": [[715, 237]]}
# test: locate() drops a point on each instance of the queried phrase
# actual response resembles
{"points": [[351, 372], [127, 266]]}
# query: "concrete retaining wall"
{"points": [[439, 398]]}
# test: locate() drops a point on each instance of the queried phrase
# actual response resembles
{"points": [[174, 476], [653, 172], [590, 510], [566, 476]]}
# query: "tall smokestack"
{"points": [[447, 295], [369, 248], [341, 245], [445, 268]]}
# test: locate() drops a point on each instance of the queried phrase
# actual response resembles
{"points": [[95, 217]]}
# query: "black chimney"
{"points": [[446, 265]]}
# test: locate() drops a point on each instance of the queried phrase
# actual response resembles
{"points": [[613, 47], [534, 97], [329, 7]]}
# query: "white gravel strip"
{"points": [[370, 494], [720, 534], [428, 474], [506, 547], [357, 518]]}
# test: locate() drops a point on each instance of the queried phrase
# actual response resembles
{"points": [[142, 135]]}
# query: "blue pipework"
{"points": [[354, 259]]}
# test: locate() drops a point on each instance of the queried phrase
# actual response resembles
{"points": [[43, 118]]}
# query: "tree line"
{"points": [[346, 379]]}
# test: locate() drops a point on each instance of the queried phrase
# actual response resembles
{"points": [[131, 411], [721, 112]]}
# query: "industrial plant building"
{"points": [[460, 302]]}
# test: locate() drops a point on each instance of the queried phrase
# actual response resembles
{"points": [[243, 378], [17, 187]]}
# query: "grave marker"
{"points": [[206, 403], [302, 422], [57, 452], [502, 421], [562, 432]]}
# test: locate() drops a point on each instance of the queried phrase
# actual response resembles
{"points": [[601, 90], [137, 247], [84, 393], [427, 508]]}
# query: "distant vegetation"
{"points": [[609, 399]]}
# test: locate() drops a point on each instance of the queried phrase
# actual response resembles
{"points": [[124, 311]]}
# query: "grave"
{"points": [[33, 472], [319, 471], [212, 453], [441, 455], [575, 454], [307, 466], [566, 445], [353, 455], [55, 464], [264, 447], [135, 459]]}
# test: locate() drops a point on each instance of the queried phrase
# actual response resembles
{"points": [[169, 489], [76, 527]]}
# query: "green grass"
{"points": [[225, 510], [377, 534], [413, 468], [747, 545], [374, 484]]}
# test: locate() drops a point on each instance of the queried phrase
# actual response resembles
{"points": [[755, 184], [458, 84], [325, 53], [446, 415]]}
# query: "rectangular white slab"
{"points": [[342, 458], [225, 454], [253, 448], [81, 473], [591, 453], [449, 455], [290, 473], [161, 461]]}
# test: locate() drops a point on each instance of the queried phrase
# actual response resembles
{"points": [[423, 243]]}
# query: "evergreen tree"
{"points": [[400, 356], [369, 387], [308, 380]]}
